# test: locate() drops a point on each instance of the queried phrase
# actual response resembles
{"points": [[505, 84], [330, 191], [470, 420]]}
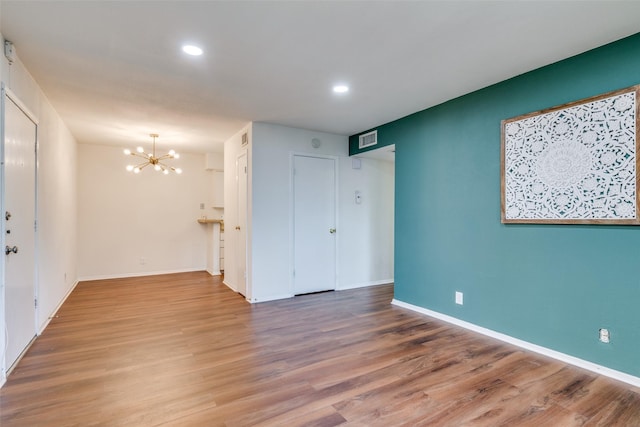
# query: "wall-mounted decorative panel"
{"points": [[573, 164]]}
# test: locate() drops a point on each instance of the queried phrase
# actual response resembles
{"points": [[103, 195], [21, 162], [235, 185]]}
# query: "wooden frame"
{"points": [[573, 164]]}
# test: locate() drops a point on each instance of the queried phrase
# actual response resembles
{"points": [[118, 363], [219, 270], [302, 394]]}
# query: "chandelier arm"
{"points": [[166, 156], [167, 167], [142, 155], [143, 165]]}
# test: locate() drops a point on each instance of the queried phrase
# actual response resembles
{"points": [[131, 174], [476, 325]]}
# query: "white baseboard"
{"points": [[224, 282], [53, 314], [365, 284], [42, 327], [214, 273], [571, 360], [270, 298], [140, 274]]}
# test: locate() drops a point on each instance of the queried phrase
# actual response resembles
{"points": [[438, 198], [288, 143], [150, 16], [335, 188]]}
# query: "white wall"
{"points": [[57, 203], [365, 231], [131, 225], [57, 212]]}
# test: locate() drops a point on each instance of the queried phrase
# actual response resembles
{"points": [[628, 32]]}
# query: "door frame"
{"points": [[336, 159], [5, 93]]}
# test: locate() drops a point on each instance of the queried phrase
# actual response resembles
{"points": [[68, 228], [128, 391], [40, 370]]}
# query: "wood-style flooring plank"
{"points": [[183, 350]]}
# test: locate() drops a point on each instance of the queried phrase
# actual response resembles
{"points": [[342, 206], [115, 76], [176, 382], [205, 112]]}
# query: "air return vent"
{"points": [[245, 138], [368, 139]]}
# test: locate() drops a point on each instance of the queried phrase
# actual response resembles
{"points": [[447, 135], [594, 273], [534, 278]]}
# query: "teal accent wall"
{"points": [[551, 285]]}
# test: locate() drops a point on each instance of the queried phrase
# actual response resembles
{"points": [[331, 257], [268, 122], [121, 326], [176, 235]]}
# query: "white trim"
{"points": [[214, 273], [224, 282], [143, 273], [20, 356], [55, 311], [571, 360], [270, 298], [365, 284], [21, 105]]}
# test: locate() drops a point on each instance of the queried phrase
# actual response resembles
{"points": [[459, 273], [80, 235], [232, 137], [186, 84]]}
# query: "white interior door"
{"points": [[20, 199], [241, 226], [314, 228]]}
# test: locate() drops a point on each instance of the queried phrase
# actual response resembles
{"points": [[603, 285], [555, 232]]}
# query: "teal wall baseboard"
{"points": [[565, 358]]}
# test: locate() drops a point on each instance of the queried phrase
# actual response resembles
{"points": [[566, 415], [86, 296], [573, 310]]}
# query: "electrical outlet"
{"points": [[459, 298], [143, 261], [201, 205], [604, 336]]}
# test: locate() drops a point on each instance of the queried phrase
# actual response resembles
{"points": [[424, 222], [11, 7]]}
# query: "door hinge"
{"points": [[35, 225], [35, 303]]}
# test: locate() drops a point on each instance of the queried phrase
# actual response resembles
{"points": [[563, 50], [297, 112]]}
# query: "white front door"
{"points": [[20, 197], [241, 226], [314, 228]]}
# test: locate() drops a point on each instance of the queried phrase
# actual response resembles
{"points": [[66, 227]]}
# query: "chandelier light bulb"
{"points": [[140, 150], [157, 167], [176, 156], [178, 171], [136, 170], [127, 151], [166, 172], [129, 168], [172, 153]]}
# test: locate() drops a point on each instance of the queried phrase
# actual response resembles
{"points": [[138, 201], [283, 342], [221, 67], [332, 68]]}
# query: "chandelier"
{"points": [[151, 159]]}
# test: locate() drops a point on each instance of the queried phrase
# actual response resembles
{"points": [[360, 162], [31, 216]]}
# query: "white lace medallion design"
{"points": [[576, 163]]}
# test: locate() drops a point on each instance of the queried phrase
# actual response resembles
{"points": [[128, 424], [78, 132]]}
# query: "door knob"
{"points": [[332, 230], [10, 249]]}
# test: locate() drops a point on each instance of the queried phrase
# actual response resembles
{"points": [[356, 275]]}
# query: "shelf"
{"points": [[212, 221]]}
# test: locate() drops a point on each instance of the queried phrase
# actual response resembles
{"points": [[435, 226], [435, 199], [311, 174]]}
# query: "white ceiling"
{"points": [[115, 72]]}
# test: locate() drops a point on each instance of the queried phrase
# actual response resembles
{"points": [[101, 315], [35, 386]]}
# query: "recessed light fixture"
{"points": [[341, 88], [192, 50]]}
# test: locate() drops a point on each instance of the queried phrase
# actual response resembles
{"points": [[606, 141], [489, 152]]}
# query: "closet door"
{"points": [[314, 216]]}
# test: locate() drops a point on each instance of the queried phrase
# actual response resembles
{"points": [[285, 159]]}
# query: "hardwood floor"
{"points": [[184, 350]]}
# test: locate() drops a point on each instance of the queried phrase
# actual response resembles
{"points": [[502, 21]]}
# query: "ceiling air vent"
{"points": [[368, 139]]}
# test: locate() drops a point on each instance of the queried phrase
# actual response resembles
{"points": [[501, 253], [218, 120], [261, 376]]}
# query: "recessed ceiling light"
{"points": [[341, 88], [192, 50]]}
